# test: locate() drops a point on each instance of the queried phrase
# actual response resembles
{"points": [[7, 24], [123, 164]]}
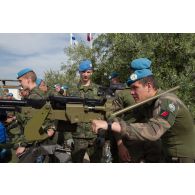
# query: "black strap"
{"points": [[109, 126]]}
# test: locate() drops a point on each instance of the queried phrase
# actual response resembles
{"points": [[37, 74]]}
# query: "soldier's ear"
{"points": [[150, 87]]}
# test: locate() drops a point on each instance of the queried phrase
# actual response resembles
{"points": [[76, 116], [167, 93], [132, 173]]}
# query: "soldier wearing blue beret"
{"points": [[23, 72], [166, 118], [141, 68], [113, 75], [84, 138], [65, 90], [29, 81], [38, 81], [85, 65]]}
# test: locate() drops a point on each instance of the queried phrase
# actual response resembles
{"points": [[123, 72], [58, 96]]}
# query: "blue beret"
{"points": [[141, 69], [64, 87], [140, 63], [23, 72], [10, 94], [38, 82], [85, 65], [113, 75]]}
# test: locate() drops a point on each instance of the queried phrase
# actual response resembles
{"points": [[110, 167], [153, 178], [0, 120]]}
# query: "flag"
{"points": [[89, 37], [73, 40], [73, 37]]}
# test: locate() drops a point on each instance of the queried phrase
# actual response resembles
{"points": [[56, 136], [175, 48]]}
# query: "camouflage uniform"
{"points": [[166, 118], [84, 138], [122, 99], [34, 148], [64, 128]]}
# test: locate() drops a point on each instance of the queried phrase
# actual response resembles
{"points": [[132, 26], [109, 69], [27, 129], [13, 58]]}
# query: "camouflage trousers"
{"points": [[144, 151], [31, 155], [89, 146]]}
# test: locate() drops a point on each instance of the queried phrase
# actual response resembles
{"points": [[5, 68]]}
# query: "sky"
{"points": [[38, 51]]}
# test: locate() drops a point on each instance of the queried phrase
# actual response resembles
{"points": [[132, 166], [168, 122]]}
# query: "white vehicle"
{"points": [[8, 84]]}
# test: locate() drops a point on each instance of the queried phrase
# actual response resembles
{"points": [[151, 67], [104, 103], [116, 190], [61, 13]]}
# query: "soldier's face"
{"points": [[114, 81], [86, 75], [58, 88], [43, 86], [24, 82], [139, 91]]}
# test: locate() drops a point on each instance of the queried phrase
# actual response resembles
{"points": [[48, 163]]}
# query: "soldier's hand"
{"points": [[99, 124], [20, 150], [10, 119], [123, 152]]}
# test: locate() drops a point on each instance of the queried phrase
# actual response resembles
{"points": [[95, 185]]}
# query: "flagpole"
{"points": [[90, 40], [70, 39]]}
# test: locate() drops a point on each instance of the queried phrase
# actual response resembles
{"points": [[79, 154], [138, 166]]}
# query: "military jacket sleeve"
{"points": [[122, 99], [162, 117]]}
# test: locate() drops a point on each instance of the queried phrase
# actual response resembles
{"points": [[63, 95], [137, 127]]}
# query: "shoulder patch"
{"points": [[172, 107], [165, 114]]}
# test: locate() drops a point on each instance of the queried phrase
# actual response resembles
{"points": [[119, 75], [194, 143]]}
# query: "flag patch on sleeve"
{"points": [[164, 114]]}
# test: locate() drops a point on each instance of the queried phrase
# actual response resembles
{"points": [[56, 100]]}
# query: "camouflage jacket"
{"points": [[83, 130], [123, 99], [167, 118], [36, 93]]}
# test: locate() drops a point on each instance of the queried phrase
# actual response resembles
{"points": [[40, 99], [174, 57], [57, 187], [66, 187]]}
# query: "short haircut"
{"points": [[149, 79], [31, 75]]}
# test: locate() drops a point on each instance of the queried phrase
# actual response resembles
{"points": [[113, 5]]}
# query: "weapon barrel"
{"points": [[35, 103], [141, 103], [76, 100], [7, 108], [13, 102]]}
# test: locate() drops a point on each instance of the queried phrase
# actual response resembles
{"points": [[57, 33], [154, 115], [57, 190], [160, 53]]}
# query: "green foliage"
{"points": [[172, 56], [68, 74]]}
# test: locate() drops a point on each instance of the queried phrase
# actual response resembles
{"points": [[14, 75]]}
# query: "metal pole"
{"points": [[141, 103], [70, 39]]}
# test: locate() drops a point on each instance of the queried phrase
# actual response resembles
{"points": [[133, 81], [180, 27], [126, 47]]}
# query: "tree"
{"points": [[172, 56]]}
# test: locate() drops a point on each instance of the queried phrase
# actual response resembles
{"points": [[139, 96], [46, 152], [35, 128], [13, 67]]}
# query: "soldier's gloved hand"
{"points": [[50, 132], [123, 152]]}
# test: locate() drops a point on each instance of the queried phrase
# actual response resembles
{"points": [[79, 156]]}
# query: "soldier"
{"points": [[115, 83], [10, 96], [165, 117], [27, 78], [58, 89], [43, 87], [122, 99], [65, 90], [62, 137], [24, 93], [84, 139]]}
